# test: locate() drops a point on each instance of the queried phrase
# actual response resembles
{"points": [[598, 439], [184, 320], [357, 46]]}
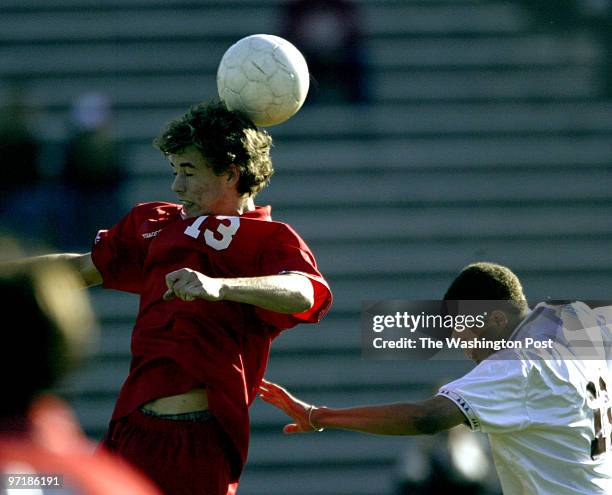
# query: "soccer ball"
{"points": [[264, 76]]}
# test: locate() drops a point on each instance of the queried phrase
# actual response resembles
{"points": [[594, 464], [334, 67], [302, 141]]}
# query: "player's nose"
{"points": [[178, 184]]}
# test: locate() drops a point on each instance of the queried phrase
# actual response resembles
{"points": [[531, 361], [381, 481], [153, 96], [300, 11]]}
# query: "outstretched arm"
{"points": [[426, 417], [288, 293], [82, 263]]}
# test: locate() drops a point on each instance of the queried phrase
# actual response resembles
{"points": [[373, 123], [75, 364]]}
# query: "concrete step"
{"points": [[556, 279], [137, 121], [338, 334], [222, 20], [560, 282], [502, 50], [385, 257], [409, 188], [147, 99], [105, 377], [425, 225], [110, 5], [536, 83], [163, 23], [202, 56], [357, 479], [383, 159], [323, 449], [94, 412]]}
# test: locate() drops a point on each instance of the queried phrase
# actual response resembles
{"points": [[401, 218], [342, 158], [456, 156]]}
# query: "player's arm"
{"points": [[82, 263], [288, 293], [426, 417]]}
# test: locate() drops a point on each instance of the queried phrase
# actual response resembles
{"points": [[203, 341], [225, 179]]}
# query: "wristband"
{"points": [[310, 409]]}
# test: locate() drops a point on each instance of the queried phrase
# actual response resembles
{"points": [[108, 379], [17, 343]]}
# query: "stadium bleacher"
{"points": [[486, 138]]}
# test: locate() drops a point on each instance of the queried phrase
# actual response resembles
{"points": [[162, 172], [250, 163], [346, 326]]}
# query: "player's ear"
{"points": [[500, 319], [233, 174]]}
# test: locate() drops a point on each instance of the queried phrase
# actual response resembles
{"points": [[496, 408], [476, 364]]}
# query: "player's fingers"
{"points": [[270, 385], [266, 387], [275, 389], [180, 293], [172, 277], [291, 428], [184, 294], [270, 399], [180, 284], [178, 278], [195, 289], [273, 397]]}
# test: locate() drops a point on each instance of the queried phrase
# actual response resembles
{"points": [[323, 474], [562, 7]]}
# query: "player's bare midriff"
{"points": [[194, 400]]}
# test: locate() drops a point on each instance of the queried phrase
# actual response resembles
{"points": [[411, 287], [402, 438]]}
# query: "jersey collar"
{"points": [[259, 213], [547, 325]]}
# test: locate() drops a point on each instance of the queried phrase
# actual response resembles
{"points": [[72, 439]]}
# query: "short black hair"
{"points": [[487, 281], [224, 137]]}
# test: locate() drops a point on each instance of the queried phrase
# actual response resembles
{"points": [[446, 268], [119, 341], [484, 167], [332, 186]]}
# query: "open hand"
{"points": [[291, 406]]}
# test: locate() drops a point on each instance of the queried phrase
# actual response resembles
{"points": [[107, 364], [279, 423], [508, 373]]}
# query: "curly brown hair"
{"points": [[224, 137]]}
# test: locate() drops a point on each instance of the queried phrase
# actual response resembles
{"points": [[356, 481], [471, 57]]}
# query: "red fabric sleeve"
{"points": [[286, 252], [118, 255]]}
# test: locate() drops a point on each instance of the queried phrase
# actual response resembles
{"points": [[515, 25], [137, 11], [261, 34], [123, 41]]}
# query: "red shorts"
{"points": [[181, 457]]}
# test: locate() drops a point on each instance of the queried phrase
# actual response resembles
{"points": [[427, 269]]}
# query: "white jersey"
{"points": [[547, 415]]}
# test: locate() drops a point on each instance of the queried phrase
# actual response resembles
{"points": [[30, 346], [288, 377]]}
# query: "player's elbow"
{"points": [[427, 422], [302, 301], [427, 425], [302, 295], [435, 415]]}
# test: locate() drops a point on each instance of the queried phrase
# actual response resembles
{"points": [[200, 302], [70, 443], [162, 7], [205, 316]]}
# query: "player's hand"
{"points": [[291, 406], [188, 285]]}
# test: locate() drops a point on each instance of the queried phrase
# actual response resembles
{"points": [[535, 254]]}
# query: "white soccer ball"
{"points": [[265, 77]]}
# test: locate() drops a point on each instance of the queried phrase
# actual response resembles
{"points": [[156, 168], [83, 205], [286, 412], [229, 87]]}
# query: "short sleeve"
{"points": [[286, 252], [492, 396], [117, 255], [604, 319]]}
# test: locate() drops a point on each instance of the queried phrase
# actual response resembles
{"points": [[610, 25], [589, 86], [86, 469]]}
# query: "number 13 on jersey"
{"points": [[221, 237]]}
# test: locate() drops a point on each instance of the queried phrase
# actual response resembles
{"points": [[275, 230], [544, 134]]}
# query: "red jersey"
{"points": [[221, 345], [50, 442]]}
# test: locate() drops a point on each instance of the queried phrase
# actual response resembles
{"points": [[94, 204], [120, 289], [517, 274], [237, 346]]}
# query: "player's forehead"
{"points": [[189, 157]]}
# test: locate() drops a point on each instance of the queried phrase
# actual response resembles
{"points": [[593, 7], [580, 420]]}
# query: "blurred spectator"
{"points": [[598, 14], [20, 176], [557, 14], [38, 432], [329, 34], [572, 16], [457, 462], [92, 170]]}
